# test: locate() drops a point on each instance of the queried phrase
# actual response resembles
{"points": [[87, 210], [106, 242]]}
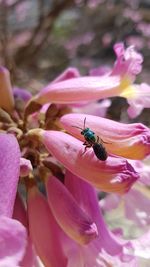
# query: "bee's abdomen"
{"points": [[100, 151]]}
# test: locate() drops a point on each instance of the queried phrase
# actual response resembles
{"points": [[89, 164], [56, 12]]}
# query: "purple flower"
{"points": [[12, 233]]}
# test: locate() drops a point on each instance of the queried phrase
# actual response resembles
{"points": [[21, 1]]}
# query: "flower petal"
{"points": [[107, 249], [9, 172], [101, 70], [67, 74], [79, 89], [12, 242], [85, 194], [45, 232], [121, 139], [73, 220], [6, 99], [113, 175], [22, 94], [143, 169], [95, 108], [20, 214], [25, 167], [128, 61], [140, 100]]}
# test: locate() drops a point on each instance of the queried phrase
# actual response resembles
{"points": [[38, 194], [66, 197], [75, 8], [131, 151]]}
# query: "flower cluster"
{"points": [[49, 181]]}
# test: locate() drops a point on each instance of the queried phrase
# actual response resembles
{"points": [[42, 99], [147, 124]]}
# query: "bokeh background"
{"points": [[40, 38]]}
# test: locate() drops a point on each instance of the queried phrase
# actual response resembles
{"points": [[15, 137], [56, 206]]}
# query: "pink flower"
{"points": [[85, 194], [45, 232], [73, 220], [9, 172], [64, 223], [121, 139], [45, 223], [96, 108], [107, 249], [118, 82], [12, 233], [143, 169], [140, 101], [80, 89], [128, 63], [13, 241], [113, 175], [20, 214]]}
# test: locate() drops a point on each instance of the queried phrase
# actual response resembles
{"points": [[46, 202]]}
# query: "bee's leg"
{"points": [[102, 141], [86, 146], [97, 139], [85, 143], [106, 142]]}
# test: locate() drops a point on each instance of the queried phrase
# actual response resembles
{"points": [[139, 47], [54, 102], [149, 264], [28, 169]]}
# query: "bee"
{"points": [[91, 140]]}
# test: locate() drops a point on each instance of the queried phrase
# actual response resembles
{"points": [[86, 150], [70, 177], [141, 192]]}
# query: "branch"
{"points": [[44, 27]]}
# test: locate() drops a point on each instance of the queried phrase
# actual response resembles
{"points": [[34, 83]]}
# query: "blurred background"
{"points": [[40, 38]]}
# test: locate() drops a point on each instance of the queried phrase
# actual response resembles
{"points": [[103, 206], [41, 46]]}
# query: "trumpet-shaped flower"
{"points": [[118, 82], [126, 140], [80, 89], [62, 248], [73, 220], [44, 230], [97, 251], [12, 232], [128, 63], [113, 175], [20, 214], [85, 194]]}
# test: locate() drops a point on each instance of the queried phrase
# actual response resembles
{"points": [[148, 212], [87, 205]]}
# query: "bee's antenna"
{"points": [[77, 127]]}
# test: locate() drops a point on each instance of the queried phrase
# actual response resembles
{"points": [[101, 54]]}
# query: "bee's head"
{"points": [[85, 131]]}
